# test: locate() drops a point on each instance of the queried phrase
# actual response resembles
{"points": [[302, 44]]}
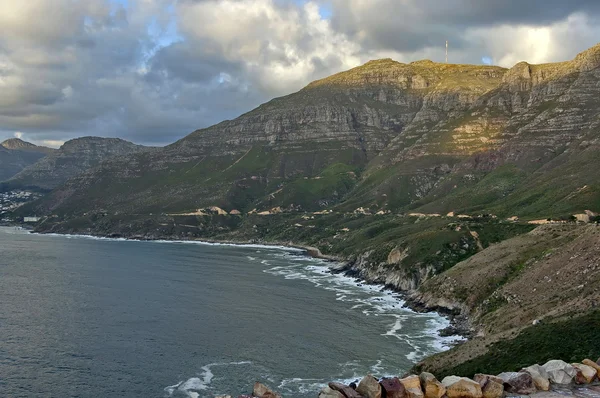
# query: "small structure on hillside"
{"points": [[31, 219]]}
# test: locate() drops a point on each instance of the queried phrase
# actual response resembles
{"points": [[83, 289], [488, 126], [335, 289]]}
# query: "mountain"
{"points": [[19, 144], [432, 179], [72, 158], [16, 154], [424, 136]]}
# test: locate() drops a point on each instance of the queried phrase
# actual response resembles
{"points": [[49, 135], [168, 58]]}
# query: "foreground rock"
{"points": [[491, 386], [461, 387], [329, 392], [392, 388], [369, 387], [539, 375], [348, 392], [518, 382], [262, 391], [585, 374], [560, 372], [432, 388], [593, 364], [412, 384]]}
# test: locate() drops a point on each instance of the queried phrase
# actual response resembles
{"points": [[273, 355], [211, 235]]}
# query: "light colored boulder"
{"points": [[491, 386], [586, 373], [431, 387], [369, 387], [559, 371], [540, 377], [262, 391], [412, 384], [462, 387], [329, 392], [518, 382], [593, 364]]}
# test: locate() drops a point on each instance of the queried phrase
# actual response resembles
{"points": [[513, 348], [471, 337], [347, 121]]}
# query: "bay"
{"points": [[88, 317]]}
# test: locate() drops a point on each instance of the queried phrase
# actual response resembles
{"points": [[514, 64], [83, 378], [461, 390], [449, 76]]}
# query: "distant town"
{"points": [[9, 201]]}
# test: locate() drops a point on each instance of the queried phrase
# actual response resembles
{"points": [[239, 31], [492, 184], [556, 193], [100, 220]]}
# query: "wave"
{"points": [[194, 386]]}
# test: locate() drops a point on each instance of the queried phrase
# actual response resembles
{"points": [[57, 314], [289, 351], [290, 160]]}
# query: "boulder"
{"points": [[585, 373], [559, 371], [461, 387], [518, 382], [593, 364], [431, 386], [348, 392], [262, 391], [491, 386], [329, 392], [412, 384], [369, 387], [392, 388], [539, 375]]}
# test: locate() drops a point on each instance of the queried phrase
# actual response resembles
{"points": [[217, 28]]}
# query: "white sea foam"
{"points": [[193, 386]]}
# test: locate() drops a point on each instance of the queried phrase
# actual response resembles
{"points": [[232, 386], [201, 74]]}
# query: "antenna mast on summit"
{"points": [[446, 51]]}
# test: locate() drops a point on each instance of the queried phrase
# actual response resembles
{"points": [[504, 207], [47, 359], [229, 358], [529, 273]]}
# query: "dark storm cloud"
{"points": [[155, 70]]}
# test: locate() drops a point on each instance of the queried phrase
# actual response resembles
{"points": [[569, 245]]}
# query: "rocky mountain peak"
{"points": [[588, 59]]}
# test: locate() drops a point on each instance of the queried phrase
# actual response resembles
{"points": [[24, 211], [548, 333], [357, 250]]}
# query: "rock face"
{"points": [[540, 377], [491, 386], [369, 387], [461, 387], [71, 159], [518, 382], [392, 388], [431, 387], [560, 372]]}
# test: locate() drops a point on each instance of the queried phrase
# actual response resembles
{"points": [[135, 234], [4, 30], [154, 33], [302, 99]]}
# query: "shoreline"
{"points": [[458, 323]]}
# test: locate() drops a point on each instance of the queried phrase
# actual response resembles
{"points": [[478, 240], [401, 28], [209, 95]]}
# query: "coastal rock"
{"points": [[491, 386], [461, 387], [369, 387], [539, 375], [432, 388], [393, 388], [329, 392], [348, 392], [412, 384], [593, 364], [585, 374], [559, 371], [262, 391], [518, 382]]}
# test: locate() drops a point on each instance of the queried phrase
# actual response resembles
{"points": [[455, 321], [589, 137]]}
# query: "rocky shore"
{"points": [[554, 379]]}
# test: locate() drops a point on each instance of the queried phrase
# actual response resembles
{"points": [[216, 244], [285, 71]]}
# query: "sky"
{"points": [[152, 71]]}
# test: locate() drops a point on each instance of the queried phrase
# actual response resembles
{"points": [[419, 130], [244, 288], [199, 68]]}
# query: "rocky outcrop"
{"points": [[518, 382], [432, 388], [72, 158]]}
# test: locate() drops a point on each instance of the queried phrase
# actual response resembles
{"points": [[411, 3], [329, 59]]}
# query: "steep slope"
{"points": [[16, 154], [389, 136], [72, 158], [307, 149]]}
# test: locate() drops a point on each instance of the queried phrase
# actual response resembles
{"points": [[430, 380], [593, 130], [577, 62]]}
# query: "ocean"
{"points": [[91, 317]]}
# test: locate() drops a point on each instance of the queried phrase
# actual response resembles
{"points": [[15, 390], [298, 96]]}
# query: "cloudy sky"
{"points": [[151, 71]]}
